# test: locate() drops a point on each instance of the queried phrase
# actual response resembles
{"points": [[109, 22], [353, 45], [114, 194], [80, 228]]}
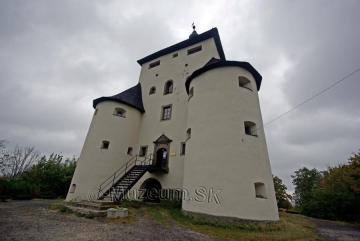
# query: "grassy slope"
{"points": [[291, 226]]}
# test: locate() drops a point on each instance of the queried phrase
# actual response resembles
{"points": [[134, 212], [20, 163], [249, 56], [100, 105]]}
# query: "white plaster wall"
{"points": [[151, 126], [96, 164], [220, 156]]}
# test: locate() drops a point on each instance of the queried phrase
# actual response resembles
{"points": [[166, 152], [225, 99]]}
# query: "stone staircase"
{"points": [[96, 208]]}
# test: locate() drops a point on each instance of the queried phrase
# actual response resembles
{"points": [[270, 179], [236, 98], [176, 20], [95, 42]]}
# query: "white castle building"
{"points": [[192, 123]]}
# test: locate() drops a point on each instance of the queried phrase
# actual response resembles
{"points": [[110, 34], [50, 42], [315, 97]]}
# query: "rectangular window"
{"points": [[166, 112], [154, 64], [182, 148], [130, 151], [194, 50], [143, 151], [250, 128], [175, 55], [260, 191]]}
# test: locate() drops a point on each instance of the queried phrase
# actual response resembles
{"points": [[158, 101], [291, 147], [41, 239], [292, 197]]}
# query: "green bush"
{"points": [[49, 178]]}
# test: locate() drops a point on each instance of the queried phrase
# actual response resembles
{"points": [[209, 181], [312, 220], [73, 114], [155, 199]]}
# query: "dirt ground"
{"points": [[337, 231], [32, 221]]}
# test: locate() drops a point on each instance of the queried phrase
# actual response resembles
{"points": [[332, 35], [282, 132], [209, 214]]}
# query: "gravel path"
{"points": [[32, 221], [337, 231]]}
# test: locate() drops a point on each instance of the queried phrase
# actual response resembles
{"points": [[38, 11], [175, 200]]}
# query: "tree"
{"points": [[51, 176], [305, 182], [14, 164], [282, 198]]}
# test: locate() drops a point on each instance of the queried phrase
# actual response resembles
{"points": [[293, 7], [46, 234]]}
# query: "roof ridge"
{"points": [[212, 33]]}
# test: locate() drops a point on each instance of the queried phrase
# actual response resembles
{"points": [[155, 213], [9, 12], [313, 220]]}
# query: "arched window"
{"points": [[152, 90], [119, 112], [168, 89], [260, 191], [245, 83], [250, 128]]}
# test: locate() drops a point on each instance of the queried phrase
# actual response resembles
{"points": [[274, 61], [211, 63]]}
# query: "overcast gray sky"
{"points": [[57, 56]]}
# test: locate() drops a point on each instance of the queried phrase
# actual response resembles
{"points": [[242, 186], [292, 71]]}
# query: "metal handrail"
{"points": [[120, 172]]}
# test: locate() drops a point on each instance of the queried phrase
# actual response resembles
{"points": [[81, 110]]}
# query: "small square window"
{"points": [[154, 64], [194, 50], [182, 148], [245, 83], [130, 151], [152, 90], [105, 144], [143, 151], [175, 55], [166, 112]]}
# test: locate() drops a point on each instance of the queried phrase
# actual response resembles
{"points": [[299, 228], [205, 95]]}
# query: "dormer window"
{"points": [[194, 50], [168, 89], [120, 112], [154, 64], [245, 83], [152, 90]]}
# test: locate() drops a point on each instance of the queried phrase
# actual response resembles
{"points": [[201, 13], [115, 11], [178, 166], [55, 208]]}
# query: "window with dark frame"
{"points": [[154, 64], [166, 112], [143, 150], [105, 144], [168, 88], [182, 148], [194, 50]]}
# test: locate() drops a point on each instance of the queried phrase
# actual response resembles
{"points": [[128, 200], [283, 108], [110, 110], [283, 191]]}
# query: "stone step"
{"points": [[95, 205], [87, 211]]}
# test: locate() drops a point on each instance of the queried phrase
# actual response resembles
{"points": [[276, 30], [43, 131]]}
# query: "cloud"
{"points": [[57, 56]]}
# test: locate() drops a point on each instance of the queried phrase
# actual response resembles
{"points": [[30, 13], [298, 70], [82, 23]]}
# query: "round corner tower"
{"points": [[227, 169]]}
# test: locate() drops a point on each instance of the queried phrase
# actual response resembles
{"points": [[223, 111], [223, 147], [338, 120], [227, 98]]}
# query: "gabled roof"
{"points": [[162, 140], [194, 39], [218, 63], [131, 97]]}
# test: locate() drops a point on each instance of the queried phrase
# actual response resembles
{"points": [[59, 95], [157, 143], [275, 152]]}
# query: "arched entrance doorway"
{"points": [[161, 154], [152, 189], [161, 157]]}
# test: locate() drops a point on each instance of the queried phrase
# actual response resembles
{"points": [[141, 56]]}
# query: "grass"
{"points": [[291, 226]]}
